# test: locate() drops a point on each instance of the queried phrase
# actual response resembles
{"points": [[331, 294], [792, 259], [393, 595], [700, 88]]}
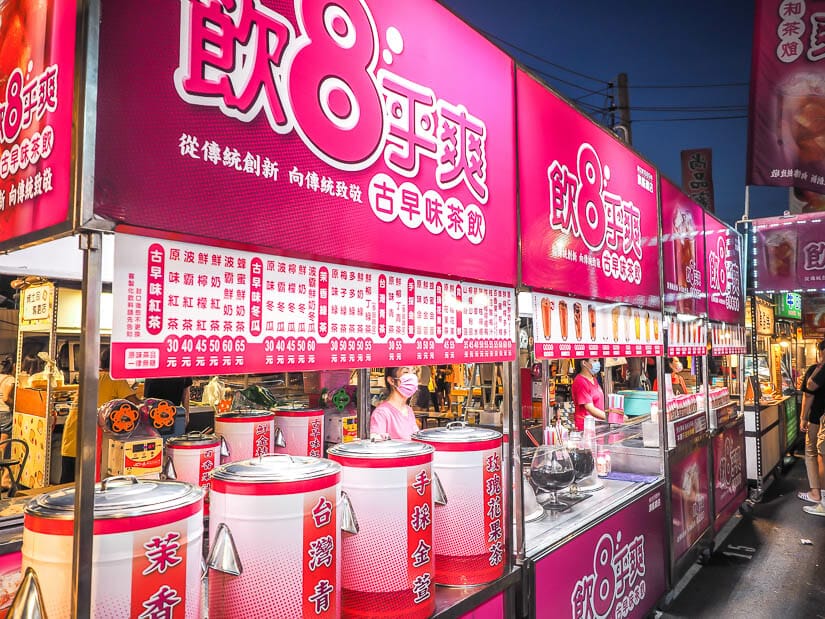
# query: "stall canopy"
{"points": [[60, 259], [589, 216], [391, 147]]}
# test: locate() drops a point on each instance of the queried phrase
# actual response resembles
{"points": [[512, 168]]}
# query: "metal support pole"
{"points": [[546, 418], [624, 107], [364, 398], [90, 244]]}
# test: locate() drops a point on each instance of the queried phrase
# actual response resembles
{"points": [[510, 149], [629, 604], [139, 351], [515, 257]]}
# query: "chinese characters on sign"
{"points": [[683, 249], [697, 176], [337, 108], [36, 305], [571, 328], [159, 584], [724, 267], [785, 145], [321, 555], [36, 75], [790, 253], [192, 308], [493, 513], [598, 200], [420, 534]]}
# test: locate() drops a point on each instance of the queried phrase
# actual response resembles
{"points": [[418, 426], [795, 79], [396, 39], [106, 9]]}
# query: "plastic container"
{"points": [[637, 403]]}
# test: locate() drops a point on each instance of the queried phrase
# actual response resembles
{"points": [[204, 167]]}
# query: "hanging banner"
{"points": [[37, 47], [786, 134], [566, 328], [191, 310], [789, 253], [363, 132], [683, 246], [727, 339], [813, 316], [697, 176], [726, 290], [589, 216], [686, 338], [788, 305], [690, 503]]}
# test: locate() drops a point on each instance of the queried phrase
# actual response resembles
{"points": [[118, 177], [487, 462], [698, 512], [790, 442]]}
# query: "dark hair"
{"points": [[105, 359], [388, 374], [6, 365]]}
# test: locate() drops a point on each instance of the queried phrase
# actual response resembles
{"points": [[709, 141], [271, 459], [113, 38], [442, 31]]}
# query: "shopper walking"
{"points": [[394, 418], [813, 406]]}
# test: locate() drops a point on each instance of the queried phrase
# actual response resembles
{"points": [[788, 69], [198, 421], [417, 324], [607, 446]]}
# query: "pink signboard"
{"points": [[790, 253], [568, 328], [589, 217], [683, 246], [615, 569], [690, 502], [728, 340], [729, 488], [723, 247], [371, 133], [188, 309], [37, 47], [786, 144]]}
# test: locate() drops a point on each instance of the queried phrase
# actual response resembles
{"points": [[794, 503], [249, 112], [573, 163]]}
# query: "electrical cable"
{"points": [[663, 120]]}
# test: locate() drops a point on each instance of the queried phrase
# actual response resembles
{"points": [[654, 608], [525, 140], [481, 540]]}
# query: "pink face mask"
{"points": [[407, 385]]}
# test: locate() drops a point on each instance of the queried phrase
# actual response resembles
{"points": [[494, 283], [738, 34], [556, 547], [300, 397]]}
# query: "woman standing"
{"points": [[394, 418], [587, 394], [813, 406]]}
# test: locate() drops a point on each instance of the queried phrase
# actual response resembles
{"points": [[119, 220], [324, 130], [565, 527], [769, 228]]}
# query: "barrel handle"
{"points": [[452, 425], [439, 495], [104, 485]]}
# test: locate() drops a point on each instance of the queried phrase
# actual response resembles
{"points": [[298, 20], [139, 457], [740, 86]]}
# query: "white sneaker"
{"points": [[816, 510]]}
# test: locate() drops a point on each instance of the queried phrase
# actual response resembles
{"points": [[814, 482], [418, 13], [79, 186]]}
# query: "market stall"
{"points": [[684, 385], [590, 258], [377, 251]]}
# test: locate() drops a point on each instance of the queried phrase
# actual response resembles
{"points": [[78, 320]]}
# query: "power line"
{"points": [[665, 120], [556, 78], [689, 109], [540, 58], [720, 85]]}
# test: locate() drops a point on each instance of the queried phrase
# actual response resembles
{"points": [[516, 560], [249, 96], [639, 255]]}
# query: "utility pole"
{"points": [[623, 128]]}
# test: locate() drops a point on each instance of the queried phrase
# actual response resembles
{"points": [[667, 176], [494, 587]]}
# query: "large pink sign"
{"points": [[790, 253], [683, 244], [37, 50], [723, 246], [786, 144], [374, 133], [189, 309], [690, 501], [729, 489], [615, 569], [589, 218]]}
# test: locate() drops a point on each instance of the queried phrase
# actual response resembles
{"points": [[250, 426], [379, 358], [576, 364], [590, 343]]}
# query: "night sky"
{"points": [[663, 47]]}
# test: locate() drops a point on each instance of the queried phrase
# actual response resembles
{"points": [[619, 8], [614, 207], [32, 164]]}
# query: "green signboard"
{"points": [[788, 305]]}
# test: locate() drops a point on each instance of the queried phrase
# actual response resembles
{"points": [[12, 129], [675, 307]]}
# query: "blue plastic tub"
{"points": [[637, 403]]}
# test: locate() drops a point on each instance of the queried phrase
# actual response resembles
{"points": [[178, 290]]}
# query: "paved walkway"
{"points": [[762, 570]]}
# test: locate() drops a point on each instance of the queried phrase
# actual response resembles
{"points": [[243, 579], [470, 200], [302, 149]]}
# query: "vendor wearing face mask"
{"points": [[674, 365], [587, 394], [394, 418]]}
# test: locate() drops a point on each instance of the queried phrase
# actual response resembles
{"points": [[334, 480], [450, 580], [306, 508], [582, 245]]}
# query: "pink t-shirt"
{"points": [[585, 392], [386, 419]]}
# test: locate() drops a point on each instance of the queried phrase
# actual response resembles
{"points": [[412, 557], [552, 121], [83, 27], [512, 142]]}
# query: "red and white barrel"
{"points": [[388, 564], [281, 514], [469, 531], [248, 434], [148, 548], [194, 456], [302, 430]]}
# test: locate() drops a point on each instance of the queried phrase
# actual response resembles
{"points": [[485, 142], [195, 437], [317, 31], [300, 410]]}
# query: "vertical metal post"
{"points": [[364, 398], [545, 394], [90, 244], [624, 107]]}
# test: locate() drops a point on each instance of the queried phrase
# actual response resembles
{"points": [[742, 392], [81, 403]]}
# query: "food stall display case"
{"points": [[591, 262], [45, 392]]}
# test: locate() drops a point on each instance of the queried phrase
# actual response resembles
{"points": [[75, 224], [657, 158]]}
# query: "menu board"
{"points": [[690, 501], [789, 253], [686, 338], [683, 247], [726, 298], [37, 49], [374, 133], [788, 305], [589, 215], [187, 310], [566, 328], [727, 339]]}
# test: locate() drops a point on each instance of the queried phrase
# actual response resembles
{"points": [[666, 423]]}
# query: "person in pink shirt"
{"points": [[587, 393], [394, 418]]}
